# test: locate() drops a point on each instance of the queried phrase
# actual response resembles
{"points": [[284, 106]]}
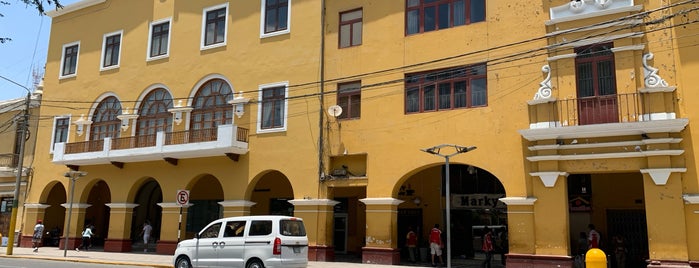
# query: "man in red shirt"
{"points": [[487, 246], [436, 243], [411, 242]]}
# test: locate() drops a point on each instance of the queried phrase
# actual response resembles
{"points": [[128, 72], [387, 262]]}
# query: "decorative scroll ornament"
{"points": [[577, 6], [545, 86], [603, 3], [652, 79]]}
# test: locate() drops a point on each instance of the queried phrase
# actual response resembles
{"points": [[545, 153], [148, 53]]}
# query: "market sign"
{"points": [[477, 201]]}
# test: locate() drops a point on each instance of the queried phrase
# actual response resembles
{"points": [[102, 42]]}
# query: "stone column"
{"points": [[317, 215], [551, 214], [381, 231], [173, 232], [77, 222], [120, 215], [234, 208], [32, 213]]}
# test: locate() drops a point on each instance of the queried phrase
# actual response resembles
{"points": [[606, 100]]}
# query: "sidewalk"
{"points": [[158, 260]]}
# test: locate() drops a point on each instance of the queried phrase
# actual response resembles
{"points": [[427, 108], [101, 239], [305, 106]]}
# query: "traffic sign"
{"points": [[182, 197]]}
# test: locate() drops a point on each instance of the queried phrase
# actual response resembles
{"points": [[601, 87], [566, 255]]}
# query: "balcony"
{"points": [[226, 140], [643, 112]]}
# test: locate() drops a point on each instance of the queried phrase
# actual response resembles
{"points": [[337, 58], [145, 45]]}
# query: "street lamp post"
{"points": [[73, 176], [436, 151]]}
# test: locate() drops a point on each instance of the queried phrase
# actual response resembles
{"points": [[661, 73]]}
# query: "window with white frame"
{"points": [[159, 39], [111, 50], [69, 60], [214, 26], [61, 125], [276, 15], [272, 108]]}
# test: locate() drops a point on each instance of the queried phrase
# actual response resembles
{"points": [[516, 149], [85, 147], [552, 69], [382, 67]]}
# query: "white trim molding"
{"points": [[549, 178], [691, 198], [585, 9], [76, 205], [313, 202], [381, 201], [236, 203], [36, 205], [661, 175], [121, 205], [173, 205], [518, 200]]}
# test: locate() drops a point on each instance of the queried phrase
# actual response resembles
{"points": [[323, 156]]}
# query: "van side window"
{"points": [[292, 228], [211, 232], [260, 228], [234, 228]]}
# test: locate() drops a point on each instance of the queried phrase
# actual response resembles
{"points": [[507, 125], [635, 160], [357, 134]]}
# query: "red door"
{"points": [[596, 85]]}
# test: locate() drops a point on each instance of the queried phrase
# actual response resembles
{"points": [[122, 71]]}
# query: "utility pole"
{"points": [[22, 128]]}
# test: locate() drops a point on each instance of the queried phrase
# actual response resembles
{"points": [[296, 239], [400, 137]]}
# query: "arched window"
{"points": [[105, 123], [153, 116], [210, 107]]}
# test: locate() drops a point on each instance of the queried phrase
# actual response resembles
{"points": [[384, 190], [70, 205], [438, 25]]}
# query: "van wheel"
{"points": [[255, 264], [183, 262]]}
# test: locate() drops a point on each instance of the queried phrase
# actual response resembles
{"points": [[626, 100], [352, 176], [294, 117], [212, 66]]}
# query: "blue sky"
{"points": [[30, 38]]}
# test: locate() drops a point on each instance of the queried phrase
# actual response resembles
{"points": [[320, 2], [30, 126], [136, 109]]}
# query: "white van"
{"points": [[250, 242]]}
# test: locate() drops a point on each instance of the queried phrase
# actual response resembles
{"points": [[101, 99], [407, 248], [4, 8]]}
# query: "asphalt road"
{"points": [[34, 263]]}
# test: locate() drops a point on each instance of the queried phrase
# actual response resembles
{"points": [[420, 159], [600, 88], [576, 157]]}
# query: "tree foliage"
{"points": [[40, 6]]}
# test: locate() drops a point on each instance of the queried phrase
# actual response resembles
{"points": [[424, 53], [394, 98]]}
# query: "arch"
{"points": [[54, 195], [95, 104], [474, 202], [205, 193], [105, 123], [210, 106], [270, 191], [202, 81], [147, 196], [153, 116], [97, 194]]}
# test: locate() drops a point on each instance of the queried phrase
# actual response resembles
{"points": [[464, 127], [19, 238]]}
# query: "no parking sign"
{"points": [[182, 197]]}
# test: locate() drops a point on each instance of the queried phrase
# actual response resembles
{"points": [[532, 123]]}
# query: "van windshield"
{"points": [[292, 228]]}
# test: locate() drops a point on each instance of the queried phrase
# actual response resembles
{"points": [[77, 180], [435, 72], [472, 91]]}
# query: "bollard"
{"points": [[595, 258]]}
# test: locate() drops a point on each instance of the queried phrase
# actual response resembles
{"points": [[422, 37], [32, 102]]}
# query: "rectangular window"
{"points": [[215, 26], [351, 28], [111, 50], [446, 89], [159, 42], [430, 15], [60, 130], [69, 63], [349, 98], [276, 17], [272, 109]]}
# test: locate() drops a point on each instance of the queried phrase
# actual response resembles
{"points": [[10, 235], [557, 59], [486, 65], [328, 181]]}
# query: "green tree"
{"points": [[40, 6]]}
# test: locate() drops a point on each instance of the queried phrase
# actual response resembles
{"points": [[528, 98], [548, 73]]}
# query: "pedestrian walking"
{"points": [[38, 234], [147, 229], [487, 246], [583, 246], [436, 244], [619, 251], [411, 243], [87, 236]]}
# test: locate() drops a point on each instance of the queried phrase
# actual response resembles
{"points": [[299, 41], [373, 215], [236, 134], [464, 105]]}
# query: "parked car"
{"points": [[249, 242]]}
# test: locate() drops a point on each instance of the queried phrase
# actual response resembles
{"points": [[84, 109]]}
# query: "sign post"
{"points": [[182, 200]]}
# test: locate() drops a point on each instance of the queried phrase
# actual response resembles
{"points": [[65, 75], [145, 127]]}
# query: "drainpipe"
{"points": [[321, 112]]}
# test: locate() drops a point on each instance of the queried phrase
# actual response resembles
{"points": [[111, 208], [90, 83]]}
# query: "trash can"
{"points": [[424, 254]]}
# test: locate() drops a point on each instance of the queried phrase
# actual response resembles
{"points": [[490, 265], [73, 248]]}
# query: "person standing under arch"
{"points": [[436, 244]]}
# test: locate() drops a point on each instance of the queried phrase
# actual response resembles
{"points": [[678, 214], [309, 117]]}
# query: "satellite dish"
{"points": [[335, 110]]}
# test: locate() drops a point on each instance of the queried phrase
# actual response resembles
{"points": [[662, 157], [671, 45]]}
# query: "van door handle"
{"points": [[215, 244], [222, 244]]}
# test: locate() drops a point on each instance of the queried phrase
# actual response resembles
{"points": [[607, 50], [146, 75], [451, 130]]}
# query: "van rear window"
{"points": [[292, 228]]}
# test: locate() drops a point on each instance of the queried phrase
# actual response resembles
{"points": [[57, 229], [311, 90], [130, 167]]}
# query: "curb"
{"points": [[85, 261]]}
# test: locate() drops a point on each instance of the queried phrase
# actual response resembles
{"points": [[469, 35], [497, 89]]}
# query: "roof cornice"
{"points": [[73, 7]]}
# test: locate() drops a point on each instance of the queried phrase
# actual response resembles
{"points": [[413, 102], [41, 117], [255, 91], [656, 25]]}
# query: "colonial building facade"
{"points": [[366, 118]]}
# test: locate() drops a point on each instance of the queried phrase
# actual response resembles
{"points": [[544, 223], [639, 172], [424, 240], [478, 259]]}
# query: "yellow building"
{"points": [[333, 111]]}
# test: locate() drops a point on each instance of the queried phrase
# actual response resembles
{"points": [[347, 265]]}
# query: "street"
{"points": [[36, 263]]}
